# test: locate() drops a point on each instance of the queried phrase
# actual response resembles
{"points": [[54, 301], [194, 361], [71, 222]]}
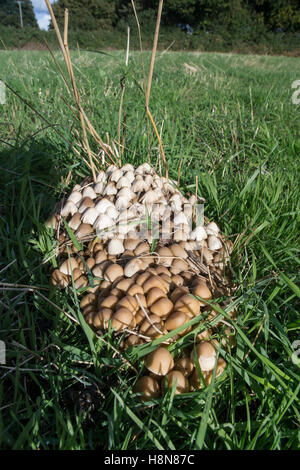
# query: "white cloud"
{"points": [[40, 5], [43, 20]]}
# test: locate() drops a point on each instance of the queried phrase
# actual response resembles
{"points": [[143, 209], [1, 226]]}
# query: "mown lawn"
{"points": [[231, 120]]}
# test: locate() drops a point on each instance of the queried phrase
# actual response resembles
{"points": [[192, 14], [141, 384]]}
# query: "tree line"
{"points": [[232, 15]]}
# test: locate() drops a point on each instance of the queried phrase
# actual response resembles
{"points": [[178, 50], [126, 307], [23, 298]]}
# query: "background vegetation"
{"points": [[231, 120], [265, 26]]}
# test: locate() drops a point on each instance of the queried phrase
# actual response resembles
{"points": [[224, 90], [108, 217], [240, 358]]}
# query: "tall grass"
{"points": [[231, 121]]}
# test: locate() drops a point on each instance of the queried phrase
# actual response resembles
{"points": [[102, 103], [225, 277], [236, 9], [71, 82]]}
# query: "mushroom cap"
{"points": [[153, 295], [75, 221], [121, 319], [133, 266], [162, 307], [89, 216], [83, 230], [201, 290], [165, 256], [68, 266], [75, 197], [86, 202], [188, 304], [113, 272], [148, 387], [214, 243], [160, 361], [206, 354], [177, 378], [129, 302], [185, 365], [88, 299], [155, 281], [177, 250], [175, 319], [124, 284], [109, 302], [59, 279], [115, 247]]}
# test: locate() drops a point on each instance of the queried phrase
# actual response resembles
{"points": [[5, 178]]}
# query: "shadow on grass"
{"points": [[32, 180]]}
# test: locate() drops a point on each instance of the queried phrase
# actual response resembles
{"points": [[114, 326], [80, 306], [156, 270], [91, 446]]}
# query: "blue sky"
{"points": [[41, 13]]}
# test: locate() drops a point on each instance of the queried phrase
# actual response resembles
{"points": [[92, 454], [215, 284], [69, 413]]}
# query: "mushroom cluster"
{"points": [[100, 264], [150, 304], [124, 199], [146, 266]]}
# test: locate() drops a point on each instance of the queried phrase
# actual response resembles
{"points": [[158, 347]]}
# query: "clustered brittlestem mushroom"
{"points": [[142, 290], [118, 206], [148, 305]]}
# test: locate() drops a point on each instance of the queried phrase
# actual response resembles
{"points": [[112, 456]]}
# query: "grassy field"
{"points": [[232, 121]]}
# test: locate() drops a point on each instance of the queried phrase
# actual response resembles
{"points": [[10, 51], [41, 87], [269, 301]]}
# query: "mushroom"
{"points": [[75, 197], [89, 192], [86, 202], [59, 279], [69, 208], [177, 379], [113, 272], [75, 221], [89, 216], [206, 355], [68, 266], [160, 361], [115, 247], [185, 365], [121, 319], [214, 243], [148, 387]]}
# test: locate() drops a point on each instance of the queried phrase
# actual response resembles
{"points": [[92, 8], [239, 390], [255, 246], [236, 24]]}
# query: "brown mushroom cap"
{"points": [[160, 361], [68, 266], [83, 230], [178, 251], [142, 247], [75, 221], [135, 289], [133, 266], [206, 355], [187, 304], [80, 282], [133, 340], [155, 281], [100, 256], [109, 302], [175, 319], [59, 279], [175, 377], [148, 387], [185, 365], [143, 277], [153, 295], [178, 292], [89, 299], [179, 266], [113, 272], [162, 307], [165, 256], [102, 317], [121, 319], [201, 290], [129, 302], [124, 284]]}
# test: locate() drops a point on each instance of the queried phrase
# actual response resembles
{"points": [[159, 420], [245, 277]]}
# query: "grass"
{"points": [[232, 122]]}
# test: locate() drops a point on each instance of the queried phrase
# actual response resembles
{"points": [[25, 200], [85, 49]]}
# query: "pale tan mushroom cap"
{"points": [[160, 361]]}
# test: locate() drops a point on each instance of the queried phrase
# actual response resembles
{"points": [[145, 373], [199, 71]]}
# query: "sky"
{"points": [[41, 13]]}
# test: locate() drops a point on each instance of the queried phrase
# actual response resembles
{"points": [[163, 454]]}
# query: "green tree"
{"points": [[86, 14], [10, 15]]}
